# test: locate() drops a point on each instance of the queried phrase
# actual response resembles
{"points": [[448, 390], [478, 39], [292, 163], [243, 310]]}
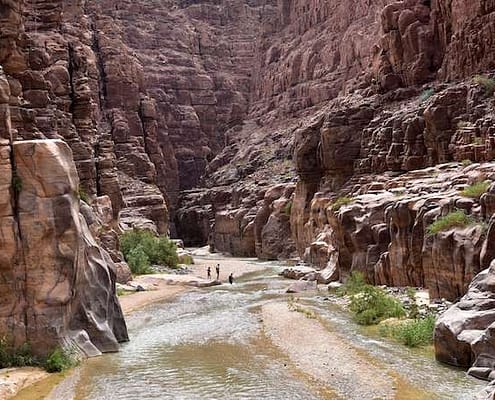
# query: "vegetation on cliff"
{"points": [[455, 219], [142, 249], [340, 202], [475, 190], [488, 84]]}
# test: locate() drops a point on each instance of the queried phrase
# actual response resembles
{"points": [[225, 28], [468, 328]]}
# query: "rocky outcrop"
{"points": [[58, 284], [464, 333], [381, 229]]}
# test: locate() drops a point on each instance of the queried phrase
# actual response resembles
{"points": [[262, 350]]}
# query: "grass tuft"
{"points": [[293, 306], [413, 332], [475, 190], [340, 202], [453, 219]]}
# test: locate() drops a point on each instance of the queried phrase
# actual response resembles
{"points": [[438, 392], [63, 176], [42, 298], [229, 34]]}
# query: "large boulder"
{"points": [[465, 334], [59, 285]]}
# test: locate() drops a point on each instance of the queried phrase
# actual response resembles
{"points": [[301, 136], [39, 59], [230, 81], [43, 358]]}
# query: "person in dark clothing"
{"points": [[208, 272], [231, 278], [217, 269]]}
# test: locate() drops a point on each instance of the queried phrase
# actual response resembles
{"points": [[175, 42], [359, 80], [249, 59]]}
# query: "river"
{"points": [[210, 344]]}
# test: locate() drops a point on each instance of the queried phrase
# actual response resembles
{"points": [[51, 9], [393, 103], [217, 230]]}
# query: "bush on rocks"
{"points": [[412, 332], [455, 219], [142, 249], [372, 305], [59, 360]]}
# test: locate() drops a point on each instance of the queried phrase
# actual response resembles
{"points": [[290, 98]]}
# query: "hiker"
{"points": [[217, 269], [208, 272], [231, 278]]}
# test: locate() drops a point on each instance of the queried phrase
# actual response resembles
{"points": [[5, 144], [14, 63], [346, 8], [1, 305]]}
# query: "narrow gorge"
{"points": [[335, 133]]}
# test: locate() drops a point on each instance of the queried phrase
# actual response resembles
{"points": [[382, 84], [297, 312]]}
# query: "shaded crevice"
{"points": [[72, 93], [100, 65]]}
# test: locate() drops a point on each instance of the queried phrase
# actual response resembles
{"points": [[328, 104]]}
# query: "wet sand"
{"points": [[325, 356], [12, 380]]}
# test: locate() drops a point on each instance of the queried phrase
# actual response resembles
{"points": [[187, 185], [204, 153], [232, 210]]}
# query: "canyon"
{"points": [[334, 132]]}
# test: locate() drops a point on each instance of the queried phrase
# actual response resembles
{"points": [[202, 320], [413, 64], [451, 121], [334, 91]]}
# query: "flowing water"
{"points": [[209, 344]]}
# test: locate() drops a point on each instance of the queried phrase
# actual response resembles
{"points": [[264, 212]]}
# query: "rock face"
{"points": [[59, 285], [464, 333], [325, 129]]}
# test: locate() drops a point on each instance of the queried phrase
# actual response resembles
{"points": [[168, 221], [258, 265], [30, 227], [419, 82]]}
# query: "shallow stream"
{"points": [[210, 344]]}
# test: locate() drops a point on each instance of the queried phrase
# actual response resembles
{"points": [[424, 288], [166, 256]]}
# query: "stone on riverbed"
{"points": [[297, 272], [301, 286]]}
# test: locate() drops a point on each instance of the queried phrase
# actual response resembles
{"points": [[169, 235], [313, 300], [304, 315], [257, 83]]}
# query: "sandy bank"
{"points": [[326, 356], [165, 286], [12, 380]]}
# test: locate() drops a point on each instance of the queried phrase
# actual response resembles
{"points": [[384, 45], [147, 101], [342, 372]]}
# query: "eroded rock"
{"points": [[67, 288]]}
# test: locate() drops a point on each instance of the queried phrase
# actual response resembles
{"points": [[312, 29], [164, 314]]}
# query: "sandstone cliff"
{"points": [[335, 131]]}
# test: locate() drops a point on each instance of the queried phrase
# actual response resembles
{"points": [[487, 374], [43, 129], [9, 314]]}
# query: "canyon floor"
{"points": [[331, 365]]}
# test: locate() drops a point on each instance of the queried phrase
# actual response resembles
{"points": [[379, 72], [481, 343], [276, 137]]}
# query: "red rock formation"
{"points": [[260, 109]]}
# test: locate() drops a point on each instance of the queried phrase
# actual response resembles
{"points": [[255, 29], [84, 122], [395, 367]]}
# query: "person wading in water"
{"points": [[217, 269], [231, 278], [208, 272]]}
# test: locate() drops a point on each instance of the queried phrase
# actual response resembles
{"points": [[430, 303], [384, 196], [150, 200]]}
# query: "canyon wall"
{"points": [[333, 131], [58, 285]]}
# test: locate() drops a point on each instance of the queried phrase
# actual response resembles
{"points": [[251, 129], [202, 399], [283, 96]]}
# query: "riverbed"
{"points": [[244, 341]]}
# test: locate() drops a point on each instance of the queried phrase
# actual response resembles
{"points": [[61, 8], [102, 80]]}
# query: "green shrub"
{"points": [[488, 84], [372, 305], [166, 253], [138, 260], [187, 259], [59, 360], [16, 357], [142, 248], [476, 190], [354, 284], [453, 219], [466, 162], [425, 95], [412, 333], [83, 195], [341, 201]]}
